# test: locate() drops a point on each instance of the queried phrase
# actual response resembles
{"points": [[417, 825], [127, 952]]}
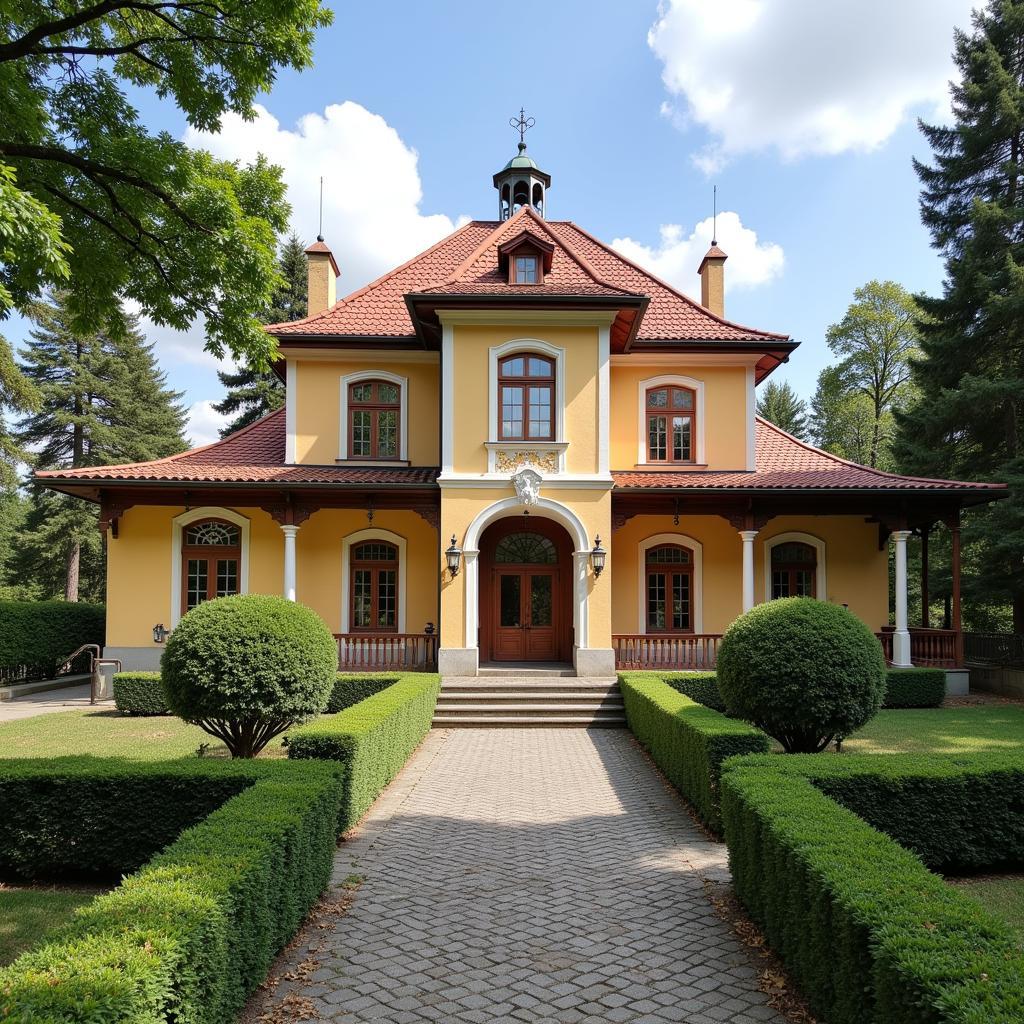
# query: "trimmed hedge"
{"points": [[191, 935], [867, 931], [351, 689], [914, 687], [687, 741], [139, 693], [36, 635], [373, 739]]}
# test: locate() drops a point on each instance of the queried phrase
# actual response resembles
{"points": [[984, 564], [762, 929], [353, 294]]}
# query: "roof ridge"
{"points": [[456, 274], [866, 469], [581, 260], [675, 291]]}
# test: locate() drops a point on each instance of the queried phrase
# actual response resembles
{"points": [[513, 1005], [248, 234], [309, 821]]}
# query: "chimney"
{"points": [[321, 277], [712, 280]]}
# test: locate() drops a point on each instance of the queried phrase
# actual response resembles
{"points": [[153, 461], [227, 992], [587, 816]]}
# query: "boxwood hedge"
{"points": [[351, 689], [190, 935], [139, 693], [36, 635], [373, 739], [687, 740], [868, 932]]}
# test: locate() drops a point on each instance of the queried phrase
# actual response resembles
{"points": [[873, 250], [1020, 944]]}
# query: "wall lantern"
{"points": [[159, 633], [452, 555], [597, 557]]}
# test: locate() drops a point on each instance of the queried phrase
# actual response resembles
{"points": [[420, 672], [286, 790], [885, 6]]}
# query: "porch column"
{"points": [[747, 536], [925, 596], [958, 640], [901, 636], [289, 561]]}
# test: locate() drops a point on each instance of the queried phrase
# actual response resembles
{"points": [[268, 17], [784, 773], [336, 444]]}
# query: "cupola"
{"points": [[521, 182]]}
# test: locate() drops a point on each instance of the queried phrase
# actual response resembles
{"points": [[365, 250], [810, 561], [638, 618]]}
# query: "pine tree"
{"points": [[780, 404], [17, 395], [253, 393], [103, 400], [967, 421]]}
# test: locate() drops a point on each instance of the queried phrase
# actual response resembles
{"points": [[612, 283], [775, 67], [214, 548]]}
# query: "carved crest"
{"points": [[527, 484]]}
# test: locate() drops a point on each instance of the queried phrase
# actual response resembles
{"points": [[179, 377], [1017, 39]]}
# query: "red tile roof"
{"points": [[466, 263], [254, 454], [784, 463]]}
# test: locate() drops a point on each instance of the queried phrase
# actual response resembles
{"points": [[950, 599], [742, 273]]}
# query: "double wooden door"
{"points": [[524, 601]]}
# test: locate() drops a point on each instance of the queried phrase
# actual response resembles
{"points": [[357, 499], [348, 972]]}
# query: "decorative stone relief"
{"points": [[527, 484], [509, 461]]}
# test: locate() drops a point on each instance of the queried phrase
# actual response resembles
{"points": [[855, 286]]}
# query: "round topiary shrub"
{"points": [[246, 668], [803, 670]]}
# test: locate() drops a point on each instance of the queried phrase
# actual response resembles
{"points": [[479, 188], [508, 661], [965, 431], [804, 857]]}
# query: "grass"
{"points": [[26, 915], [1001, 894], [958, 730], [106, 733]]}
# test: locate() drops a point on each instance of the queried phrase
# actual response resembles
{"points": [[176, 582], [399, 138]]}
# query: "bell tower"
{"points": [[521, 182]]}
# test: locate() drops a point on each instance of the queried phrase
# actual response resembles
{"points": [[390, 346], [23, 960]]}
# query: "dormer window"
{"points": [[526, 258], [524, 270]]}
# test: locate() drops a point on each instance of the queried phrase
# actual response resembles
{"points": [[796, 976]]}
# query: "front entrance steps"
{"points": [[529, 702]]}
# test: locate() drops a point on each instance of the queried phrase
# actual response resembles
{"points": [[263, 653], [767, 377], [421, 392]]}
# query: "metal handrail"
{"points": [[94, 666]]}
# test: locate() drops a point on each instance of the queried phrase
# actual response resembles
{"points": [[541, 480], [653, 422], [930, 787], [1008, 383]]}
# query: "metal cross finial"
{"points": [[522, 124]]}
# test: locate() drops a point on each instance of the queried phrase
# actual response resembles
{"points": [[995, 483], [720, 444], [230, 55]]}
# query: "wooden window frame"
{"points": [[211, 554], [791, 569], [374, 408], [375, 567], [668, 412], [523, 384], [669, 570], [538, 267]]}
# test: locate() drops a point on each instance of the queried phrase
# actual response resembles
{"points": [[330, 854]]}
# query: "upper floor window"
{"points": [[374, 587], [374, 411], [794, 570], [211, 552], [669, 582], [526, 398], [671, 424], [524, 270]]}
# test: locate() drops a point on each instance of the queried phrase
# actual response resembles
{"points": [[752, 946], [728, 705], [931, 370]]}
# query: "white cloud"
{"points": [[372, 190], [676, 258], [804, 77], [204, 423]]}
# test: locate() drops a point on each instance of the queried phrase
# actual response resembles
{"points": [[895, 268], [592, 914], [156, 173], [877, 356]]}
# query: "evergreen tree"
{"points": [[967, 421], [780, 404], [253, 393], [17, 395], [103, 400]]}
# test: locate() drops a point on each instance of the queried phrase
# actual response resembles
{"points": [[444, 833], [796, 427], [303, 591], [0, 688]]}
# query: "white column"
{"points": [[747, 537], [901, 636], [289, 561]]}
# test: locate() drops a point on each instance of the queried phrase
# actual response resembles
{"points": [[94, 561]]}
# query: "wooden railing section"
{"points": [[373, 652], [929, 648], [658, 651], [1005, 649]]}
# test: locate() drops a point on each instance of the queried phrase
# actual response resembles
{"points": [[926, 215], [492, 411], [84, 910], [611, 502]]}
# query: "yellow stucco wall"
{"points": [[471, 349], [856, 572], [139, 566], [318, 406], [725, 411]]}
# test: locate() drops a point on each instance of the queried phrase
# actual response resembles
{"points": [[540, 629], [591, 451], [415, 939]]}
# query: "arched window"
{"points": [[526, 398], [374, 593], [538, 198], [669, 572], [794, 570], [374, 412], [211, 551], [671, 414], [526, 549], [520, 195]]}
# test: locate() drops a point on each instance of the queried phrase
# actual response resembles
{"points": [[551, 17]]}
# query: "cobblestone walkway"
{"points": [[531, 875]]}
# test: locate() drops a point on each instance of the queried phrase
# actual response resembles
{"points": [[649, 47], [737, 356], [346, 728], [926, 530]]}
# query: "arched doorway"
{"points": [[526, 573]]}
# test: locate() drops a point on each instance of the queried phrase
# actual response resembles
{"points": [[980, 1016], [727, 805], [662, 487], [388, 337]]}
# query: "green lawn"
{"points": [[1002, 894], [26, 915], [107, 733], [941, 731]]}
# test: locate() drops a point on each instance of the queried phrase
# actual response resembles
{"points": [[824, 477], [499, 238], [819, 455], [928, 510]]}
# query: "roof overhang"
{"points": [[772, 352]]}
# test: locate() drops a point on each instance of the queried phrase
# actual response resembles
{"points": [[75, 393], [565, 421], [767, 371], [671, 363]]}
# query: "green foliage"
{"points": [[351, 689], [140, 693], [90, 200], [246, 668], [901, 945], [189, 936], [36, 635], [373, 739], [780, 404], [914, 687], [688, 741], [29, 914], [844, 423], [701, 687], [17, 395], [804, 671]]}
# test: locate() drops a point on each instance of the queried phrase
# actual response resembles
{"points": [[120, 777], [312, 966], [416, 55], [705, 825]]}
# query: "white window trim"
{"points": [[668, 380], [682, 540], [494, 445], [803, 538], [346, 566], [177, 528], [403, 399]]}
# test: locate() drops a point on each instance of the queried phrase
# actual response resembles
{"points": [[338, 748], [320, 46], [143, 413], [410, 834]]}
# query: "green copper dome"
{"points": [[521, 160]]}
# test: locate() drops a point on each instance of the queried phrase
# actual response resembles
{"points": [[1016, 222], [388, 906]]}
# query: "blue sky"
{"points": [[802, 113]]}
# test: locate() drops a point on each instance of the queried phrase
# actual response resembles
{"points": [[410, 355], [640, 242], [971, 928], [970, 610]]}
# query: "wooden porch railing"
{"points": [[657, 651], [929, 648], [372, 652], [1006, 649]]}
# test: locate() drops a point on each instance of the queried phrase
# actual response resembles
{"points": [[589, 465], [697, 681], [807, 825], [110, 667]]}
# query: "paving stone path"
{"points": [[531, 875]]}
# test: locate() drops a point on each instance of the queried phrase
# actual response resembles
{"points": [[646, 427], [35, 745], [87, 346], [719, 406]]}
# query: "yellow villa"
{"points": [[518, 448]]}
